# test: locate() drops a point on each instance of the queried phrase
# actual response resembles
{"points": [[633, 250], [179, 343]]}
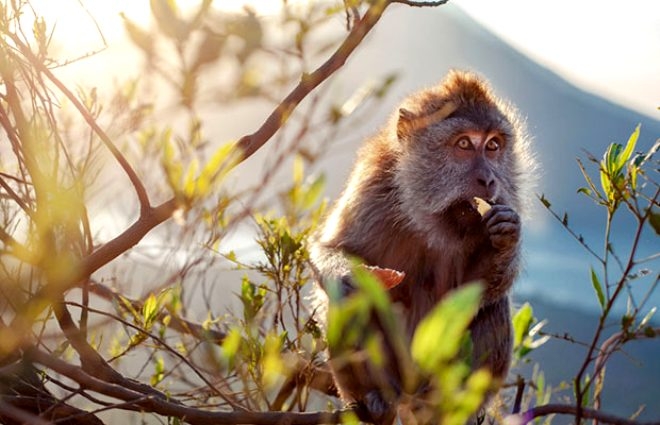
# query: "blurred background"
{"points": [[583, 74]]}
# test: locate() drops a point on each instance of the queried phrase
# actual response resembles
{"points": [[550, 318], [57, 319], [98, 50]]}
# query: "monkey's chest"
{"points": [[420, 292]]}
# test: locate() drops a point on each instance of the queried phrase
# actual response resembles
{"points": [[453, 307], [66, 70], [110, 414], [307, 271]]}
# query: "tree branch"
{"points": [[19, 415], [606, 351], [561, 409], [251, 143], [177, 323], [414, 3], [119, 157], [189, 414]]}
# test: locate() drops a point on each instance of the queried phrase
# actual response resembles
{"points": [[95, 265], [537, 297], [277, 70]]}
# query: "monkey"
{"points": [[408, 207]]}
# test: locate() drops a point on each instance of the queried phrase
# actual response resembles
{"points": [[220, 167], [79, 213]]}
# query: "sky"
{"points": [[605, 46], [609, 47]]}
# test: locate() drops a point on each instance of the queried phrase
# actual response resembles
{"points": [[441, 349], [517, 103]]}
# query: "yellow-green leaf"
{"points": [[438, 336], [522, 320], [595, 282], [624, 156], [298, 170], [149, 310]]}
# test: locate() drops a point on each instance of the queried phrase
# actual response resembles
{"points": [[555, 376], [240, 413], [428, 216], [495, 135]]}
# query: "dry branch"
{"points": [[561, 409], [251, 143], [166, 407]]}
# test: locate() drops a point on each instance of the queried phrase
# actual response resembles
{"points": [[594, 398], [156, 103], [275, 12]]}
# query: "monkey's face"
{"points": [[446, 165]]}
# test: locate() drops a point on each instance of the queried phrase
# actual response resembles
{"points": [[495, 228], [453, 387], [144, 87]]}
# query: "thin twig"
{"points": [[251, 143], [606, 351], [189, 414], [119, 157], [177, 323], [415, 3]]}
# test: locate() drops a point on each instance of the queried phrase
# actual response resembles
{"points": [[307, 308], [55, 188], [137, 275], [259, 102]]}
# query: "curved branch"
{"points": [[189, 414], [97, 259], [251, 143], [606, 351], [561, 409]]}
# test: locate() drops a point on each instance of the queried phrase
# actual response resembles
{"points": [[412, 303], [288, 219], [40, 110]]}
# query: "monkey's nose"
{"points": [[485, 182]]}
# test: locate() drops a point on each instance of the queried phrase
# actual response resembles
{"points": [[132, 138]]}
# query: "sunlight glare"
{"points": [[86, 26]]}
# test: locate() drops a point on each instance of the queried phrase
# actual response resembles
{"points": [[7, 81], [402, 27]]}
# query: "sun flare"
{"points": [[90, 25]]}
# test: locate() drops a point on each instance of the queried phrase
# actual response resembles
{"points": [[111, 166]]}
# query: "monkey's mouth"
{"points": [[464, 212]]}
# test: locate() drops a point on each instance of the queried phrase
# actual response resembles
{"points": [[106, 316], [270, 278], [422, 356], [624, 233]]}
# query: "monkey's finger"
{"points": [[501, 213], [504, 228]]}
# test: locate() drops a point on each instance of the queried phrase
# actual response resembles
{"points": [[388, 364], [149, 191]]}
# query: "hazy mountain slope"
{"points": [[422, 44], [564, 121]]}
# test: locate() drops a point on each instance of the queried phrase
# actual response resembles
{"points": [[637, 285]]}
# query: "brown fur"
{"points": [[406, 207]]}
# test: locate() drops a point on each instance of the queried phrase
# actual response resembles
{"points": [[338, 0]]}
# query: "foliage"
{"points": [[122, 286], [628, 184]]}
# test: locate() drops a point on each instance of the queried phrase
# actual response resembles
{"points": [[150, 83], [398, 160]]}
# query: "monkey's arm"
{"points": [[492, 338], [498, 261], [331, 264]]}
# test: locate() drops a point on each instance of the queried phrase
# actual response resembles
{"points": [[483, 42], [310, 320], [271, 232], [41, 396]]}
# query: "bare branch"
{"points": [[20, 415], [561, 409], [414, 3], [189, 414], [119, 157], [608, 347], [102, 256], [251, 143]]}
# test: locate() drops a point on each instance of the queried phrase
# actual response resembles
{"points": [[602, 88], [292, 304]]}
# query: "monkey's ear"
{"points": [[409, 122], [406, 123]]}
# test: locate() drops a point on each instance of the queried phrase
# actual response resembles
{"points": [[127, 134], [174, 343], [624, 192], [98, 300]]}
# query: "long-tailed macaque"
{"points": [[409, 206]]}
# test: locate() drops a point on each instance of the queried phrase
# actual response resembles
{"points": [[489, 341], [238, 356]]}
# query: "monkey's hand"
{"points": [[381, 411], [503, 225], [499, 264]]}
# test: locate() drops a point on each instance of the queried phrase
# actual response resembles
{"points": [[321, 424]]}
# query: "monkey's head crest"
{"points": [[461, 94]]}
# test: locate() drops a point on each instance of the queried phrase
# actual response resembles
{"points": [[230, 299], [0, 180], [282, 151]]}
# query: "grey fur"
{"points": [[406, 208]]}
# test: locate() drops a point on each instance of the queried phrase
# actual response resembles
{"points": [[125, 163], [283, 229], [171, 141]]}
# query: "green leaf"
{"points": [[217, 167], [231, 344], [624, 156], [544, 201], [373, 289], [626, 321], [647, 317], [522, 321], [598, 287], [149, 310], [298, 170], [438, 336], [190, 180], [585, 191], [654, 221], [314, 192], [605, 184], [387, 83], [138, 36], [159, 371]]}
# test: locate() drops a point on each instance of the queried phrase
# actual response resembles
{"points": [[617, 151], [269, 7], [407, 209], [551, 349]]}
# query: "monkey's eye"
{"points": [[493, 144], [464, 143]]}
